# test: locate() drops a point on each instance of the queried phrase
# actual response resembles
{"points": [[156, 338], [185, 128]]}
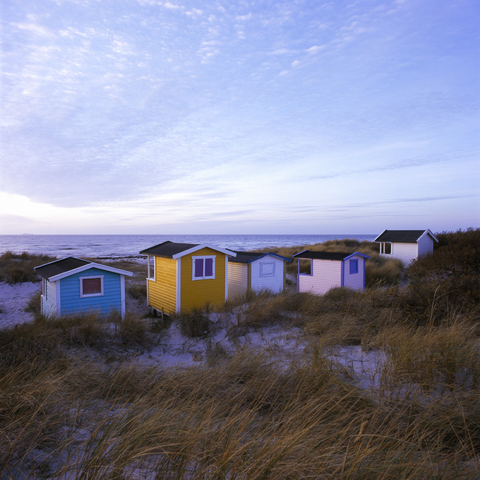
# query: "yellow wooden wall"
{"points": [[196, 293], [162, 293]]}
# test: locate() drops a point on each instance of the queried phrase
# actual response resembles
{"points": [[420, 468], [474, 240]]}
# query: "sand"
{"points": [[13, 300], [287, 344]]}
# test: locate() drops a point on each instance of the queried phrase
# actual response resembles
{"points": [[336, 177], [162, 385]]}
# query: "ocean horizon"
{"points": [[119, 246]]}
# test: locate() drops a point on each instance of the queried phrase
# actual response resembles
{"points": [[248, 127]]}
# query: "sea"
{"points": [[125, 246]]}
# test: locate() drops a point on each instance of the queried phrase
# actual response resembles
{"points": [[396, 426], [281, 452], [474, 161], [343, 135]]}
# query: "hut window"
{"points": [[151, 267], [353, 266], [203, 267], [386, 248], [267, 269], [91, 286]]}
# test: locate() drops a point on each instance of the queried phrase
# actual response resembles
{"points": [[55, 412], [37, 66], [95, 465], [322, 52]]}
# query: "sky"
{"points": [[228, 117]]}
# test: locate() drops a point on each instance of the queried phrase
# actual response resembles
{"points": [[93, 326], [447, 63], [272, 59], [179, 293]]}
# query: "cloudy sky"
{"points": [[239, 116]]}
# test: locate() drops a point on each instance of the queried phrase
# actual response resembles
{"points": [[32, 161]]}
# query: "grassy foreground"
{"points": [[70, 408]]}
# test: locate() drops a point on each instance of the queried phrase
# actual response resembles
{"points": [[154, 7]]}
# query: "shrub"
{"points": [[426, 300], [457, 254]]}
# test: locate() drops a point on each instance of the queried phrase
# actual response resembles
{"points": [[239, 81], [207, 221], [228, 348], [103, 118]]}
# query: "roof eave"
{"points": [[200, 247], [88, 266], [380, 235]]}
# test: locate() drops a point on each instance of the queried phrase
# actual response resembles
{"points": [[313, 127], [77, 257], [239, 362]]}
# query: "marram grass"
{"points": [[243, 417]]}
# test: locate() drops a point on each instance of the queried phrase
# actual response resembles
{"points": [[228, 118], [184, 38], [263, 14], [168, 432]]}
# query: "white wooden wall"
{"points": [[274, 282], [326, 274], [49, 299], [405, 252]]}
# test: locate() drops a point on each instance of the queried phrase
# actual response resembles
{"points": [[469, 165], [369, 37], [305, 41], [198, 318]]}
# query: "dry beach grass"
{"points": [[78, 398]]}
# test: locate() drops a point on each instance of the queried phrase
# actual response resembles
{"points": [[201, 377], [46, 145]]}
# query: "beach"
{"points": [[13, 301]]}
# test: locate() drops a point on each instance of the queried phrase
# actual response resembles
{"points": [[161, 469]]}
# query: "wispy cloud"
{"points": [[238, 106]]}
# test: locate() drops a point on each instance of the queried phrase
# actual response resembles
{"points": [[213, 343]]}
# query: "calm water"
{"points": [[111, 246]]}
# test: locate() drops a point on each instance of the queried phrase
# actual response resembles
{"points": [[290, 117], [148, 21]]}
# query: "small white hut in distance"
{"points": [[406, 245]]}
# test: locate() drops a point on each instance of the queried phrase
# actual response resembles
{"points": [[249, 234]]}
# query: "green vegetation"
{"points": [[19, 268], [74, 405]]}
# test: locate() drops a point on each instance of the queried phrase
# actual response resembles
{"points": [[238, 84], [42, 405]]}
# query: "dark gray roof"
{"points": [[247, 257], [401, 236], [322, 255], [60, 266], [168, 249]]}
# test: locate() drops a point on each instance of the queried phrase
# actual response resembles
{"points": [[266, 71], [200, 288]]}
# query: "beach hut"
{"points": [[406, 245], [72, 285], [182, 276], [331, 269], [256, 271]]}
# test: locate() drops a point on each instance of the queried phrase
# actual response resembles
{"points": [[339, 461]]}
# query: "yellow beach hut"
{"points": [[182, 276]]}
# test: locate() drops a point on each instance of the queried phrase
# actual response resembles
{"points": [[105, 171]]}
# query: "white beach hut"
{"points": [[406, 245]]}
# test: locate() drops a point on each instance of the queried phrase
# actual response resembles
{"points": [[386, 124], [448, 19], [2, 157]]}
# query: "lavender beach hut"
{"points": [[72, 286], [330, 270]]}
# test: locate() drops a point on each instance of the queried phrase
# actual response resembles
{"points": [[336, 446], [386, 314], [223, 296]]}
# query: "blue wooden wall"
{"points": [[72, 303]]}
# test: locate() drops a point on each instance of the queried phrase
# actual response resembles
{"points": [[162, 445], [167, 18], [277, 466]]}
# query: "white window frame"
{"points": [[152, 258], [82, 295], [203, 257], [382, 248], [262, 273]]}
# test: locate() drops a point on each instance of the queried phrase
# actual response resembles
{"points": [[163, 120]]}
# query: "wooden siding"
{"points": [[72, 303], [354, 281], [326, 274], [425, 245], [273, 283], [195, 293], [49, 300], [162, 294], [405, 252], [237, 279]]}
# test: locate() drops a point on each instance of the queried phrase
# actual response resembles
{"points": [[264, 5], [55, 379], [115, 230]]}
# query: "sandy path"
{"points": [[13, 300]]}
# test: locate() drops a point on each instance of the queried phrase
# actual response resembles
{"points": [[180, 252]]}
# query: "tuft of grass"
{"points": [[215, 353], [34, 305], [381, 271], [133, 332], [195, 323], [444, 358]]}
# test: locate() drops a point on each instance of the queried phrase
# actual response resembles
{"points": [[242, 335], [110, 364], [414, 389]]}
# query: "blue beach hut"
{"points": [[72, 285]]}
